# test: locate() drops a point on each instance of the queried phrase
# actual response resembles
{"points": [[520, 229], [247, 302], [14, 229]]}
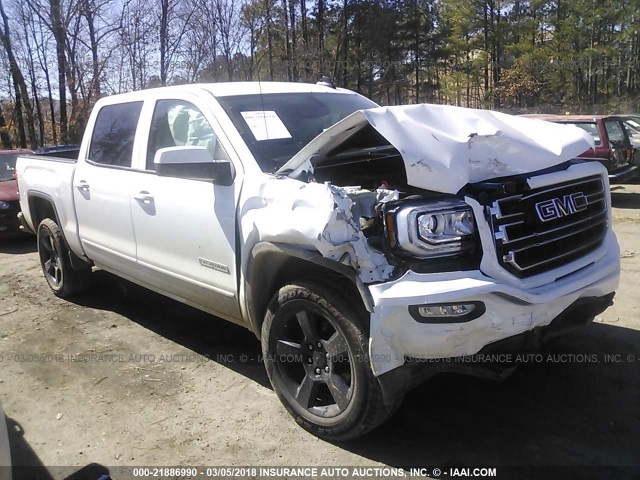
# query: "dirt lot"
{"points": [[189, 389]]}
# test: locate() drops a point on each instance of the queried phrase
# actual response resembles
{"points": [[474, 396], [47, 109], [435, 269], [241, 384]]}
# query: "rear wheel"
{"points": [[55, 260], [315, 352]]}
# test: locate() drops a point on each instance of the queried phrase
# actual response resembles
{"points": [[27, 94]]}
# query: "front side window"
{"points": [[178, 123], [615, 132], [114, 134]]}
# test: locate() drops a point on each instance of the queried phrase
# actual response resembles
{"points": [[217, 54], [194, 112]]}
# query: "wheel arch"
{"points": [[272, 265], [41, 206]]}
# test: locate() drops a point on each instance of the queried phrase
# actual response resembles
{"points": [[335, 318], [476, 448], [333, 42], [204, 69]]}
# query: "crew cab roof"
{"points": [[255, 88], [224, 89]]}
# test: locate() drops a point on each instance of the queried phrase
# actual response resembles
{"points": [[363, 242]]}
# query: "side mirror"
{"points": [[194, 163]]}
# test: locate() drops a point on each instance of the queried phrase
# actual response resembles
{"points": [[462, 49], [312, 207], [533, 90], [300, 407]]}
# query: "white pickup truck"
{"points": [[362, 244]]}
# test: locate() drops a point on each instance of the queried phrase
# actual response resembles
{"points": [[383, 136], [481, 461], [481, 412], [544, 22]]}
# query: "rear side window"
{"points": [[114, 133], [615, 132]]}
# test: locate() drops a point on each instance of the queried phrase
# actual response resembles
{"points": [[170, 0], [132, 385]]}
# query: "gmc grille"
{"points": [[549, 227]]}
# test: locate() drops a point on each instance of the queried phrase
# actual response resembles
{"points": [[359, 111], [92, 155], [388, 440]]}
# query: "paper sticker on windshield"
{"points": [[266, 125]]}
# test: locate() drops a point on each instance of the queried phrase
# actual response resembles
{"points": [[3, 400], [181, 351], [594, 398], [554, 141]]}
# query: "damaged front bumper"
{"points": [[495, 361], [507, 309]]}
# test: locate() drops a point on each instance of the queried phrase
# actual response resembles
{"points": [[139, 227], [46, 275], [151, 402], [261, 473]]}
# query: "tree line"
{"points": [[60, 56]]}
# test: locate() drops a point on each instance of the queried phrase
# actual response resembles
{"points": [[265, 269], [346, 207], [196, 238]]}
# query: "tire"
{"points": [[63, 279], [316, 355]]}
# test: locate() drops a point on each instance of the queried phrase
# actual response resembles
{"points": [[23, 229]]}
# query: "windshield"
{"points": [[7, 167], [276, 126], [590, 128]]}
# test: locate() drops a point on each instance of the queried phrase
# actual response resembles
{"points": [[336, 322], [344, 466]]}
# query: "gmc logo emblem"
{"points": [[561, 207]]}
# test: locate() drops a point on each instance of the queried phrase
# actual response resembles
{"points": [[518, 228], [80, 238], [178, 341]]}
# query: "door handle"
{"points": [[83, 186], [144, 197]]}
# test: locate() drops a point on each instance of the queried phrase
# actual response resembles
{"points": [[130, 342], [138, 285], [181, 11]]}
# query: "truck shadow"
{"points": [[20, 244], [576, 410], [221, 341], [622, 199], [26, 465]]}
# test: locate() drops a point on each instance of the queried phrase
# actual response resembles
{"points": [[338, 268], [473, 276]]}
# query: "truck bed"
{"points": [[51, 178]]}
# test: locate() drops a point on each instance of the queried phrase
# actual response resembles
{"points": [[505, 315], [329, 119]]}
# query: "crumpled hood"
{"points": [[445, 147]]}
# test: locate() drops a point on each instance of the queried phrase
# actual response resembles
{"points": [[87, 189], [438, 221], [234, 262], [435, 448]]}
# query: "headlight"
{"points": [[434, 229], [5, 205]]}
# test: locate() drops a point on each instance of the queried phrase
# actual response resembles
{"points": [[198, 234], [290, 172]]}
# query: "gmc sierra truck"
{"points": [[363, 245]]}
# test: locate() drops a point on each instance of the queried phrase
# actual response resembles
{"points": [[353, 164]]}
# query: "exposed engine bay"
{"points": [[367, 159]]}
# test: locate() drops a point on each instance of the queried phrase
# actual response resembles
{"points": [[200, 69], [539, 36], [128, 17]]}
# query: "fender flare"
{"points": [[76, 262], [265, 263]]}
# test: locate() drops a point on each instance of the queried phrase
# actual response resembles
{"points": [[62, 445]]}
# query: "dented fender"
{"points": [[268, 258], [315, 217]]}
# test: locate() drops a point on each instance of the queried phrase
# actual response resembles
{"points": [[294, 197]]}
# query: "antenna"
{"points": [[264, 117], [325, 81]]}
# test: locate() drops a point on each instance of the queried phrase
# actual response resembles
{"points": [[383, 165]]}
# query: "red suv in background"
{"points": [[9, 198], [612, 145]]}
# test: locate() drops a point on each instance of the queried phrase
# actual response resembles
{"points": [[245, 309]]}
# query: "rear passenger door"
{"points": [[102, 188]]}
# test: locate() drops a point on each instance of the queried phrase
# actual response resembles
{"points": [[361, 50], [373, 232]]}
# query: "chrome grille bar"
{"points": [[529, 242]]}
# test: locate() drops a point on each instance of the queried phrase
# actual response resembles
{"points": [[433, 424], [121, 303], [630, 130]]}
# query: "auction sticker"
{"points": [[265, 125]]}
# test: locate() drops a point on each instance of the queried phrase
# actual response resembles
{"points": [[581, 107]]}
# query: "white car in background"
{"points": [[632, 125]]}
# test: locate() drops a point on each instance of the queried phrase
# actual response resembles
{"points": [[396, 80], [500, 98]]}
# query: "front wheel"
{"points": [[55, 260], [315, 353]]}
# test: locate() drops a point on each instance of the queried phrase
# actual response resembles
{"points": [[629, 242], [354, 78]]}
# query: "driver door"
{"points": [[185, 229]]}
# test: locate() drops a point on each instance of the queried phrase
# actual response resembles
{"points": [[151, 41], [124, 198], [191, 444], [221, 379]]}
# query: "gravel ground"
{"points": [[188, 389]]}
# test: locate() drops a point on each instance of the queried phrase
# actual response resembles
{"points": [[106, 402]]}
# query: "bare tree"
{"points": [[74, 71], [173, 24], [305, 38], [41, 49], [320, 26], [89, 10], [59, 34], [4, 134], [137, 27], [99, 30], [200, 43], [230, 29], [26, 19], [294, 40], [20, 86], [51, 14], [254, 20], [269, 25]]}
